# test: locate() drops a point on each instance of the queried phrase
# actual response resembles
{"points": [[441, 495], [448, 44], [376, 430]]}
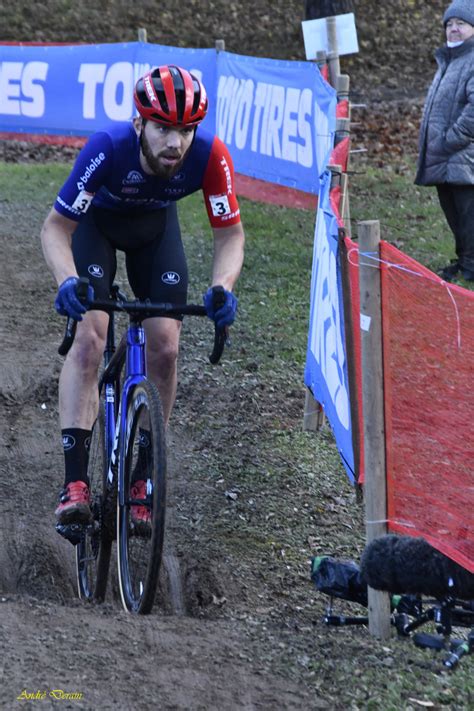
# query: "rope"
{"points": [[435, 280], [390, 520]]}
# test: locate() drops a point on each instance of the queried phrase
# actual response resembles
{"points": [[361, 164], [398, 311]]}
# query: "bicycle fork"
{"points": [[135, 372]]}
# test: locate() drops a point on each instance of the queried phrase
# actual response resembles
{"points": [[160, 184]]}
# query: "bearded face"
{"points": [[163, 148]]}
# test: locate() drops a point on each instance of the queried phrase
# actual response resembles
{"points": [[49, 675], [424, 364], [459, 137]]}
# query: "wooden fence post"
{"points": [[375, 488], [342, 87], [333, 54]]}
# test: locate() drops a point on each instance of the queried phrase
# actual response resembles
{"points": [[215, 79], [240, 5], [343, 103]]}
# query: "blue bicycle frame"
{"points": [[126, 407], [115, 422]]}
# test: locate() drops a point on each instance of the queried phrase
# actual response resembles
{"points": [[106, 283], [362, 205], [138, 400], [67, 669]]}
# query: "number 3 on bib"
{"points": [[220, 205], [82, 202]]}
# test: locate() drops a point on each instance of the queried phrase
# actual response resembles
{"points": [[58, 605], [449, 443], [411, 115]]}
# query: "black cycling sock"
{"points": [[141, 470], [76, 443]]}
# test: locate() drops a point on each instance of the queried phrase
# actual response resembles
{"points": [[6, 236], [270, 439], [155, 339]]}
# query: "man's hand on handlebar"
{"points": [[221, 307], [67, 301]]}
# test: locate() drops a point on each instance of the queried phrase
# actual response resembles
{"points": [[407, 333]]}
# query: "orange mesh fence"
{"points": [[428, 347], [342, 109], [428, 353], [340, 154]]}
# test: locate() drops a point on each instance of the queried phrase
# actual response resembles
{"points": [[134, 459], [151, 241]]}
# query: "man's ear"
{"points": [[137, 124]]}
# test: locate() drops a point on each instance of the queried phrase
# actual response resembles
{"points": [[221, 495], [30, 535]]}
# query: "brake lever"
{"points": [[220, 334]]}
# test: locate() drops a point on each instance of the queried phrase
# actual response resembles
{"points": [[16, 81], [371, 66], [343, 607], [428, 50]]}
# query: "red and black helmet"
{"points": [[171, 96]]}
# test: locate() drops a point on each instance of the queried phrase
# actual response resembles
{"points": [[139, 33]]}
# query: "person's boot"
{"points": [[450, 271]]}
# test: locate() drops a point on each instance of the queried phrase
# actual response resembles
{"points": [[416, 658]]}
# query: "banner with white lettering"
{"points": [[80, 89], [278, 118], [326, 365]]}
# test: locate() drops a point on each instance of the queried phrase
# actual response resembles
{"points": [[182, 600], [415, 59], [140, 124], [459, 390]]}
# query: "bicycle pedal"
{"points": [[72, 532]]}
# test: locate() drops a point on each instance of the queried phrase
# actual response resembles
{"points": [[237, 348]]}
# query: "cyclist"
{"points": [[121, 195]]}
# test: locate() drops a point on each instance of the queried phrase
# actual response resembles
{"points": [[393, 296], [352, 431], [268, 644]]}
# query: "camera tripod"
{"points": [[341, 580]]}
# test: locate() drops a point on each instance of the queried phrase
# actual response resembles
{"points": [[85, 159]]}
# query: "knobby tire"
{"points": [[139, 555]]}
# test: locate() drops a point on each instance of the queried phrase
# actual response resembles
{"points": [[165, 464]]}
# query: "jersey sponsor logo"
{"points": [[133, 201], [145, 202], [95, 270], [91, 168], [224, 218], [219, 205], [68, 442], [228, 176], [170, 278], [133, 177], [83, 201], [65, 205], [174, 191], [130, 191], [178, 178]]}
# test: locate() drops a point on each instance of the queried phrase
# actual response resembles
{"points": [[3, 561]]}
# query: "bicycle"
{"points": [[128, 441]]}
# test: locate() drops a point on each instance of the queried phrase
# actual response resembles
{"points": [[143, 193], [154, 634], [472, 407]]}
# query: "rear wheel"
{"points": [[141, 501], [94, 549]]}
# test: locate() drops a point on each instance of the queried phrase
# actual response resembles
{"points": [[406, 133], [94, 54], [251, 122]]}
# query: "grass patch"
{"points": [[410, 216]]}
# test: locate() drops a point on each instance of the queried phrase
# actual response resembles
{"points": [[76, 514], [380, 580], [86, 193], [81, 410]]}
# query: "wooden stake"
{"points": [[333, 55], [345, 208], [375, 489], [314, 417]]}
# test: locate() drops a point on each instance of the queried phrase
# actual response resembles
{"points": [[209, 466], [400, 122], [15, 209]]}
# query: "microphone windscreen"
{"points": [[402, 564]]}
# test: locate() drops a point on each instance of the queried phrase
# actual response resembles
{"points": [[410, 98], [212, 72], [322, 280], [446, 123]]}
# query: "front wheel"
{"points": [[141, 500]]}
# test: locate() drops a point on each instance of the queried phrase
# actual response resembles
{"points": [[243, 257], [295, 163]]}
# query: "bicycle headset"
{"points": [[171, 96]]}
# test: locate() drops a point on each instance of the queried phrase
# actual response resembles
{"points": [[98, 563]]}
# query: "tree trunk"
{"points": [[315, 9]]}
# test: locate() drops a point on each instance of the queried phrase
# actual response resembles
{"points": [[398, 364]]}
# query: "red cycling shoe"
{"points": [[140, 515], [74, 504]]}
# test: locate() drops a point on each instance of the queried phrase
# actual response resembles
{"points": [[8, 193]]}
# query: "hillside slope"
{"points": [[396, 38]]}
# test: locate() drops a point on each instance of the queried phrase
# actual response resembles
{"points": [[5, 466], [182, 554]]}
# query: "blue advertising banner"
{"points": [[79, 89], [326, 365], [278, 118]]}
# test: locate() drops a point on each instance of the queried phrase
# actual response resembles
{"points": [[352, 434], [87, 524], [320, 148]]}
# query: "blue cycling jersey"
{"points": [[108, 174]]}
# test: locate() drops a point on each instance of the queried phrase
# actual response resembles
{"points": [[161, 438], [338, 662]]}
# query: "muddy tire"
{"points": [[139, 544]]}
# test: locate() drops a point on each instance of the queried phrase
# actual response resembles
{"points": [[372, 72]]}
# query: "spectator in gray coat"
{"points": [[446, 146]]}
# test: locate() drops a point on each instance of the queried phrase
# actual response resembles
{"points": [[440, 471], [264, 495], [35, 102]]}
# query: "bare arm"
{"points": [[56, 237], [228, 255]]}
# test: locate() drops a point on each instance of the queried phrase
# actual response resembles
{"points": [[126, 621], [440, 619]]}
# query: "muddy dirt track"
{"points": [[187, 655], [236, 624]]}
